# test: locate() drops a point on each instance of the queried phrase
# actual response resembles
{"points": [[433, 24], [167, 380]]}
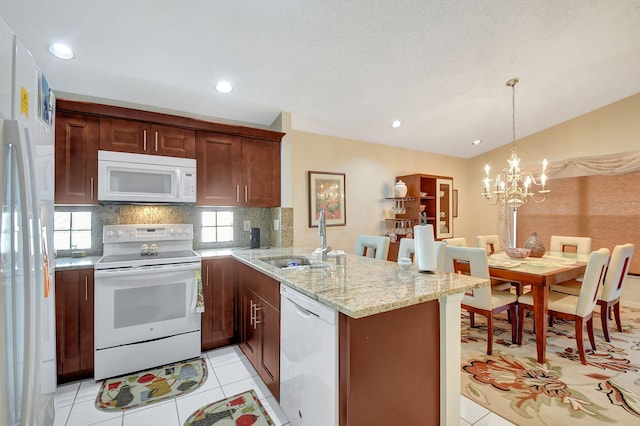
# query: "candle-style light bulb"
{"points": [[544, 165], [487, 168]]}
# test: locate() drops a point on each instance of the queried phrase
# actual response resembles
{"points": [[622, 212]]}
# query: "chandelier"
{"points": [[513, 187]]}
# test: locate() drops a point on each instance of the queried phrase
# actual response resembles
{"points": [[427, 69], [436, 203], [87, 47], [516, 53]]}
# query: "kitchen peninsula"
{"points": [[398, 332]]}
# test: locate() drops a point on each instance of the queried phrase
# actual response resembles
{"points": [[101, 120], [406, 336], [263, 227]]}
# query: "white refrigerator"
{"points": [[27, 307]]}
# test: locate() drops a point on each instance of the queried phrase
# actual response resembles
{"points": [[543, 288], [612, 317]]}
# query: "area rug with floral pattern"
{"points": [[513, 385], [150, 386], [240, 410]]}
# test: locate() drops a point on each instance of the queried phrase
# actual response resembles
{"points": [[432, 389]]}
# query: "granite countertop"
{"points": [[360, 286]]}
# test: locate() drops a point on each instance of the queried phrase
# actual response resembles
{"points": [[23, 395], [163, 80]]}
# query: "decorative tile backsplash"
{"points": [[115, 214]]}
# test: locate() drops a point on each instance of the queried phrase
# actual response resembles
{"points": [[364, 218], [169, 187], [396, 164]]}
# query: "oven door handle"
{"points": [[160, 269]]}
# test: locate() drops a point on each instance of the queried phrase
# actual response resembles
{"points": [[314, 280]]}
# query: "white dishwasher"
{"points": [[308, 360]]}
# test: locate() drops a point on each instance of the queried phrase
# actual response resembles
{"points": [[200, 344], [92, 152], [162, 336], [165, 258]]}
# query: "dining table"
{"points": [[541, 273]]}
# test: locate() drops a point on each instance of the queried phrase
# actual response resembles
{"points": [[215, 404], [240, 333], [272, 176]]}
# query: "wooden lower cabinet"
{"points": [[74, 324], [219, 290], [260, 325]]}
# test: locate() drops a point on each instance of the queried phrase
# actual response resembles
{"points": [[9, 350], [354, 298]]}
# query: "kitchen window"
{"points": [[71, 231], [217, 226]]}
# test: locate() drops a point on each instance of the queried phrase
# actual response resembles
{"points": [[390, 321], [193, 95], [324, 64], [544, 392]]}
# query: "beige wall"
{"points": [[370, 174], [370, 170], [608, 130]]}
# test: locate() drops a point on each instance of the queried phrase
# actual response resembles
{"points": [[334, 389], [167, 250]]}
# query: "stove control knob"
{"points": [[118, 233], [172, 231], [187, 231], [109, 233]]}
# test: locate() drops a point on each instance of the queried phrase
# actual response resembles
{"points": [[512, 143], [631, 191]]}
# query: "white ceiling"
{"points": [[347, 68]]}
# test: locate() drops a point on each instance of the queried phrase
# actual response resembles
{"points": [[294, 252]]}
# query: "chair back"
{"points": [[372, 246], [440, 252], [593, 279], [491, 243], [459, 241], [617, 272], [570, 244], [476, 259], [407, 248]]}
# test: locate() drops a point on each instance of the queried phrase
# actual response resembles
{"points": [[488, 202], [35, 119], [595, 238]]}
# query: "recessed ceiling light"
{"points": [[396, 123], [224, 87], [476, 142], [60, 50]]}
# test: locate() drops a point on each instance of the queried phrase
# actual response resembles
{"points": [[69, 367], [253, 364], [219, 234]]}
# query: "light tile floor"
{"points": [[230, 373]]}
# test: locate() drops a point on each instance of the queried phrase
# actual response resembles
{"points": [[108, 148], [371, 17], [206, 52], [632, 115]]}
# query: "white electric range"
{"points": [[146, 287]]}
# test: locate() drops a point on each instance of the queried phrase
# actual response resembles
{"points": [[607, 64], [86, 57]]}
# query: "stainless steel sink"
{"points": [[287, 261]]}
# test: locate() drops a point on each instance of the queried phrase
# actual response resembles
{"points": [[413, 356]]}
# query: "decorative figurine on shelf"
{"points": [[535, 245], [400, 189]]}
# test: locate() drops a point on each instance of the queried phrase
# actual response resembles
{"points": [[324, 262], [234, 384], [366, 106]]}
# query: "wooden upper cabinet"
{"points": [[143, 138], [261, 172], [218, 169], [76, 158], [237, 171]]}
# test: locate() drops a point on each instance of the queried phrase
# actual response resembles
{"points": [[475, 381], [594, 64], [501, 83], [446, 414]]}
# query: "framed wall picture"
{"points": [[327, 191]]}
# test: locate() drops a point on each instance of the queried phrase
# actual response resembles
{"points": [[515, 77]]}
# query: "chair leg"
{"points": [[616, 313], [472, 319], [579, 341], [604, 310], [521, 312], [514, 323], [489, 333], [592, 339], [550, 320]]}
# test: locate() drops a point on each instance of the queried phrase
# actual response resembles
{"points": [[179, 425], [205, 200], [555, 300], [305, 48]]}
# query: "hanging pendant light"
{"points": [[513, 186]]}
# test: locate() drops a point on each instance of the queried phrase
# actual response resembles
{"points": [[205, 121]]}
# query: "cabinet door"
{"points": [[261, 173], [76, 159], [269, 362], [250, 343], [74, 324], [219, 169], [218, 319], [444, 218], [125, 136], [172, 141]]}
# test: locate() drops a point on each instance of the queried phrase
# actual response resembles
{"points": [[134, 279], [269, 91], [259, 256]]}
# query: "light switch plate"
{"points": [[276, 224], [247, 225]]}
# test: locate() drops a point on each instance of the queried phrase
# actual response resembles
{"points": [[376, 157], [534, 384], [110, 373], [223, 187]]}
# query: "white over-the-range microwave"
{"points": [[142, 178]]}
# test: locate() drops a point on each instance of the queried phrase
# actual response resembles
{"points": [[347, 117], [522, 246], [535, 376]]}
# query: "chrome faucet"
{"points": [[322, 233]]}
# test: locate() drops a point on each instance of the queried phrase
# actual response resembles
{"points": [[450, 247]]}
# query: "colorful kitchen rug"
{"points": [[151, 386], [562, 390], [240, 410]]}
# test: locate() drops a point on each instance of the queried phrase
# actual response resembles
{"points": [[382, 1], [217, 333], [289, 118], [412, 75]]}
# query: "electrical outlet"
{"points": [[247, 225], [276, 224]]}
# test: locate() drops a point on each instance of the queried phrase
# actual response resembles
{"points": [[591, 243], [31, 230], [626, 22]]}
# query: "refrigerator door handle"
{"points": [[28, 220]]}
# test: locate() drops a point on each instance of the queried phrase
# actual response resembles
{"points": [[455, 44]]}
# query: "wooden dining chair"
{"points": [[372, 246], [458, 241], [562, 243], [485, 301], [574, 308], [609, 298]]}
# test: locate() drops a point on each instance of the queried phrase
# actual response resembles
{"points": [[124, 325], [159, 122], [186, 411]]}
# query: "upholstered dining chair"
{"points": [[458, 241], [575, 308], [614, 281], [485, 301], [491, 243], [372, 246], [407, 248], [564, 243]]}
